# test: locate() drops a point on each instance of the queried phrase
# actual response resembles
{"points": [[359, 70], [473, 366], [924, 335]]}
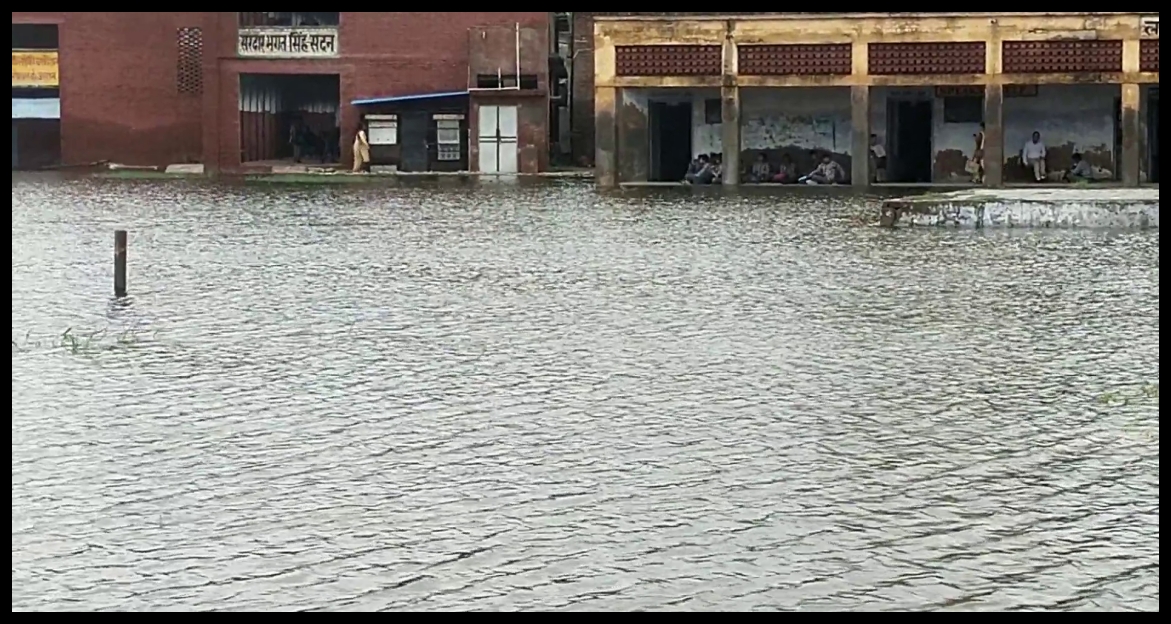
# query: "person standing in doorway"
{"points": [[297, 140], [361, 151], [1033, 156]]}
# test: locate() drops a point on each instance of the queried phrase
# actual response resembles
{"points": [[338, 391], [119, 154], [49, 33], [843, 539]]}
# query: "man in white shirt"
{"points": [[1033, 156]]}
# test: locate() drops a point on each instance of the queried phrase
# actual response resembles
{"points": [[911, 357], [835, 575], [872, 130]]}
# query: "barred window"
{"points": [[447, 135]]}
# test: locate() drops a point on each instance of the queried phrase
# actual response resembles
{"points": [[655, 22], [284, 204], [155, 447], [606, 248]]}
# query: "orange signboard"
{"points": [[35, 69]]}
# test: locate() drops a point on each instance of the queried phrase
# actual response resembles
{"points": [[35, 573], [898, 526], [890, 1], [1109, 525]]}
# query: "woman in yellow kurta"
{"points": [[361, 151]]}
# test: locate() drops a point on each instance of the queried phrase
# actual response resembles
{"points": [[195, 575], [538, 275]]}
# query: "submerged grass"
{"points": [[82, 343], [1145, 392]]}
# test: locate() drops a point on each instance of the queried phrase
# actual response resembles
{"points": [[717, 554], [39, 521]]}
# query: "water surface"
{"points": [[524, 398]]}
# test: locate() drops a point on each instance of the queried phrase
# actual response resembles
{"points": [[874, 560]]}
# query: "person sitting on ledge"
{"points": [[787, 171], [694, 169], [828, 172], [1081, 171], [761, 171], [717, 169]]}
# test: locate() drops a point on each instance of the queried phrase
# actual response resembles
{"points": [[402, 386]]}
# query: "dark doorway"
{"points": [[289, 117], [910, 126], [414, 141], [1153, 137], [670, 125]]}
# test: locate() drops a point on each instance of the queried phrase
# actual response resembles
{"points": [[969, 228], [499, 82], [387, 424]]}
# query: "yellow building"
{"points": [[668, 88]]}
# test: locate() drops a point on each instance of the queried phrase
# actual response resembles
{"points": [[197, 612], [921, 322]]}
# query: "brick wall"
{"points": [[120, 100]]}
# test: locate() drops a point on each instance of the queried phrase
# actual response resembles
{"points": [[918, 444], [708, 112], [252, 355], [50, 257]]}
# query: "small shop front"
{"points": [[417, 133]]}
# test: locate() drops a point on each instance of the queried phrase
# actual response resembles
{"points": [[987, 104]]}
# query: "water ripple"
{"points": [[544, 398]]}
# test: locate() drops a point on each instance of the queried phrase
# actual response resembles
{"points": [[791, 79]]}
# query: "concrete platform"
{"points": [[1069, 207]]}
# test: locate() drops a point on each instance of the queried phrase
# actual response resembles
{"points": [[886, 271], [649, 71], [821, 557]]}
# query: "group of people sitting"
{"points": [[828, 171], [709, 170], [705, 170]]}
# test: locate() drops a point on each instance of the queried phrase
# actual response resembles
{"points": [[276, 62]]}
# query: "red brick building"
{"points": [[441, 91]]}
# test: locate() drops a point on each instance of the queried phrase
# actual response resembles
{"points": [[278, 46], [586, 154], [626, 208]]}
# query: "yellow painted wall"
{"points": [[861, 30]]}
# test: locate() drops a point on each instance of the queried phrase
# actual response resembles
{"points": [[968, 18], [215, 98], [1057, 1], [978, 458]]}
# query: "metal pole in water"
{"points": [[119, 263]]}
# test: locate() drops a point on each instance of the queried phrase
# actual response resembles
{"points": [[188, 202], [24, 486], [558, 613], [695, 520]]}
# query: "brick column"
{"points": [[213, 39]]}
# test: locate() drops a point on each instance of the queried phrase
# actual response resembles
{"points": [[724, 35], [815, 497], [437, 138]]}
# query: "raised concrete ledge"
{"points": [[1027, 208]]}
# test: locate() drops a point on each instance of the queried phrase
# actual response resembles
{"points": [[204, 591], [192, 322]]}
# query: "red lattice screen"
{"points": [[964, 57], [1062, 57], [795, 60], [1148, 59], [189, 71], [669, 60]]}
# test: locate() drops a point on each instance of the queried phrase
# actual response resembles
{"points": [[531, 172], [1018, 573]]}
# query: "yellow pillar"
{"points": [[860, 114], [860, 135], [994, 135], [730, 112], [994, 110], [1130, 160], [606, 136]]}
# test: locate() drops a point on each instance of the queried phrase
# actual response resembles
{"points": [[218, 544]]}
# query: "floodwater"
{"points": [[528, 398]]}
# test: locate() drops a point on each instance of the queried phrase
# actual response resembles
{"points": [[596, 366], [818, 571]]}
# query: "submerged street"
{"points": [[543, 397]]}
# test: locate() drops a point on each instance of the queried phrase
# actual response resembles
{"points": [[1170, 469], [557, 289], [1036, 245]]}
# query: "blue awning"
{"points": [[409, 98]]}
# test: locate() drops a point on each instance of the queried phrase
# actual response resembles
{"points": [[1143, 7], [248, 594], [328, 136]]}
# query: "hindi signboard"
{"points": [[35, 69], [300, 42], [1150, 26]]}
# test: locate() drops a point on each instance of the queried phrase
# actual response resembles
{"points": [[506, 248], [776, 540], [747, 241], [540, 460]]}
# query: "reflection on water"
{"points": [[543, 398]]}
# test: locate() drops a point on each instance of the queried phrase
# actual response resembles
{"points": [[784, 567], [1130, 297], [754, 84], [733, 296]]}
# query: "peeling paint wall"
{"points": [[1070, 118], [797, 120]]}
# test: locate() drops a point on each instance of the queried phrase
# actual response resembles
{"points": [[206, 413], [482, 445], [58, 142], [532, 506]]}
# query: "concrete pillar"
{"points": [[1131, 157], [860, 135], [730, 108], [634, 139], [606, 137], [994, 135], [730, 134]]}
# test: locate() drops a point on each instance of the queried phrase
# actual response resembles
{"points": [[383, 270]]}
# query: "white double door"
{"points": [[498, 139]]}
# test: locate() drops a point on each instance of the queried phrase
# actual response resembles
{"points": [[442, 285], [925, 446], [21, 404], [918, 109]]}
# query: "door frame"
{"points": [[895, 167], [413, 124], [498, 140]]}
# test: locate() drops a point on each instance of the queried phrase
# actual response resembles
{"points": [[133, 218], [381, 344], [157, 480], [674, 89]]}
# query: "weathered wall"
{"points": [[1070, 118], [799, 120], [494, 49], [119, 100], [796, 122], [582, 84], [388, 54], [634, 137], [623, 59], [532, 124]]}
